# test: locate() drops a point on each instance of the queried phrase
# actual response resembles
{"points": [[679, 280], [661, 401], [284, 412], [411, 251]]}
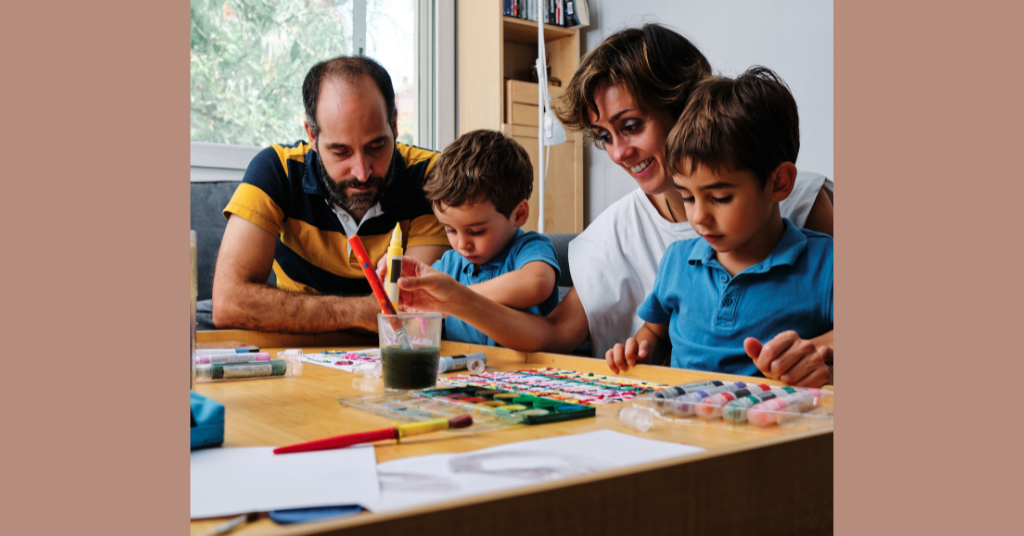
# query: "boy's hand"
{"points": [[382, 270], [791, 360], [422, 288], [621, 357]]}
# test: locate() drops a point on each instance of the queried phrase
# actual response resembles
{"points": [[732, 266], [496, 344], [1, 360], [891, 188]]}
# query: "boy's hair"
{"points": [[657, 65], [482, 165], [748, 123]]}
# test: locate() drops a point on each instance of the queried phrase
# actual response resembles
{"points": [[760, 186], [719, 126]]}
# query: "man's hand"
{"points": [[422, 288], [622, 356], [790, 359]]}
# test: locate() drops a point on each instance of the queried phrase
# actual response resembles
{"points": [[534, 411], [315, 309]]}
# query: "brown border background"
{"points": [[927, 115]]}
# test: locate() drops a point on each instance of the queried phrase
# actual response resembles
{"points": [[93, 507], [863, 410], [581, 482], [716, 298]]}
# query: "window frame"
{"points": [[435, 80]]}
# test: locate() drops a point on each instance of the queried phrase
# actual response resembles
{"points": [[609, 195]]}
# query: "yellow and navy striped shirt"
{"points": [[283, 194]]}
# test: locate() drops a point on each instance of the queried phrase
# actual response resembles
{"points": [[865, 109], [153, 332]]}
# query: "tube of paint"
{"points": [[367, 369], [476, 360], [637, 417], [247, 357], [711, 407], [248, 371], [736, 411], [769, 411]]}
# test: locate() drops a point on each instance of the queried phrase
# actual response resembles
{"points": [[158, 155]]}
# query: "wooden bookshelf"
{"points": [[494, 50]]}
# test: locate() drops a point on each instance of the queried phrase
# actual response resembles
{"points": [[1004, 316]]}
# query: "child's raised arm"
{"points": [[651, 340], [522, 288]]}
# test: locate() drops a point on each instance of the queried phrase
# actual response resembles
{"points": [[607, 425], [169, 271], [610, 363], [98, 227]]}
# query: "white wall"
{"points": [[792, 37]]}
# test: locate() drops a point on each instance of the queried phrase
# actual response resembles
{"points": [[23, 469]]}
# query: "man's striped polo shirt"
{"points": [[283, 194]]}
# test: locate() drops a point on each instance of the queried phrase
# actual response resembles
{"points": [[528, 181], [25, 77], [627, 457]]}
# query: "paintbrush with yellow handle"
{"points": [[397, 432]]}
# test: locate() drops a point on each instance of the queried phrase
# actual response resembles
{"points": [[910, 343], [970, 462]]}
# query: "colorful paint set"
{"points": [[739, 402], [566, 385], [490, 408]]}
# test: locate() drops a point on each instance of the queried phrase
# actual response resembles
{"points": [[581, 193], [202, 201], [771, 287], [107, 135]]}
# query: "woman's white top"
{"points": [[614, 261]]}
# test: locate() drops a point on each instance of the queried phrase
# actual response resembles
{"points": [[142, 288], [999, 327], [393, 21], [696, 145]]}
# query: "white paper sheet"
{"points": [[231, 481], [414, 481]]}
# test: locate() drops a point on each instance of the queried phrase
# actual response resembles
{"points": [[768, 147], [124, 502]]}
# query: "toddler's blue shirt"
{"points": [[710, 313], [523, 249]]}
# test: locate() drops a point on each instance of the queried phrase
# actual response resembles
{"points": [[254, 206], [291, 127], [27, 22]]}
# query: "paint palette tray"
{"points": [[490, 408]]}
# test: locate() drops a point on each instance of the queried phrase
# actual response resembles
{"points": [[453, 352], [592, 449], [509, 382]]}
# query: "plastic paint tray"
{"points": [[815, 414], [447, 402]]}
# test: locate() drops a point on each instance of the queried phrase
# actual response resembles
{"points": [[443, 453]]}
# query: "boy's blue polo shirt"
{"points": [[523, 249], [710, 313]]}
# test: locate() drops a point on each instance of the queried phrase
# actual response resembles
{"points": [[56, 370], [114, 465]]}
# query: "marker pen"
{"points": [[394, 265], [711, 407], [222, 351], [475, 362], [736, 411], [247, 357], [768, 412], [247, 371], [679, 390]]}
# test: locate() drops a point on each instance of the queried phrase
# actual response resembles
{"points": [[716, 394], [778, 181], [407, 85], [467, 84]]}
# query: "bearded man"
{"points": [[298, 204]]}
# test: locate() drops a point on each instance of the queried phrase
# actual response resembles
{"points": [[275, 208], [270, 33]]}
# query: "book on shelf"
{"points": [[564, 13]]}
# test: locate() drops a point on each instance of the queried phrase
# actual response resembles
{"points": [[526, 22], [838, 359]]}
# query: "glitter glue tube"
{"points": [[768, 412], [711, 407], [476, 360], [248, 371], [216, 359], [687, 404], [680, 390], [736, 411], [294, 354]]}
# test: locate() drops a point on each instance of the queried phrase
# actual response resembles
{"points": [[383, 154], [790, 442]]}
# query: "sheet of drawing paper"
{"points": [[342, 360], [231, 481], [420, 480]]}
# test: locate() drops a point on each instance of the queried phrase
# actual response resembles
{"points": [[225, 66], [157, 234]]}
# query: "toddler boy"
{"points": [[480, 191], [752, 276]]}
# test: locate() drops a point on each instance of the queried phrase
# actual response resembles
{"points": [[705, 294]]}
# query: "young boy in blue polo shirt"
{"points": [[753, 276], [480, 192]]}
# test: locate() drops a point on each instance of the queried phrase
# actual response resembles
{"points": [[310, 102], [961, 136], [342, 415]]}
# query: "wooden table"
{"points": [[751, 480]]}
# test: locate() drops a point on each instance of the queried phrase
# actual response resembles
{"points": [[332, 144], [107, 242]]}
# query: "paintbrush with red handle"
{"points": [[396, 432]]}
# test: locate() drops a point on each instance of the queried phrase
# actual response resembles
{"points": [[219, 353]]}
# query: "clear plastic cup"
{"points": [[410, 347]]}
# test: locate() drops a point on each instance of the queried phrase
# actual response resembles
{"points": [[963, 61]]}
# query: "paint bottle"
{"points": [[711, 407], [637, 417], [770, 411], [220, 359], [248, 371], [736, 411], [367, 369], [475, 363]]}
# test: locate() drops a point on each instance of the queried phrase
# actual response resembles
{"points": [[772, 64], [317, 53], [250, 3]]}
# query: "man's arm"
{"points": [[242, 299], [522, 288]]}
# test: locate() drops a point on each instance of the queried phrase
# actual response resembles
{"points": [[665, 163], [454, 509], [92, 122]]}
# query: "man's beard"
{"points": [[360, 201]]}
